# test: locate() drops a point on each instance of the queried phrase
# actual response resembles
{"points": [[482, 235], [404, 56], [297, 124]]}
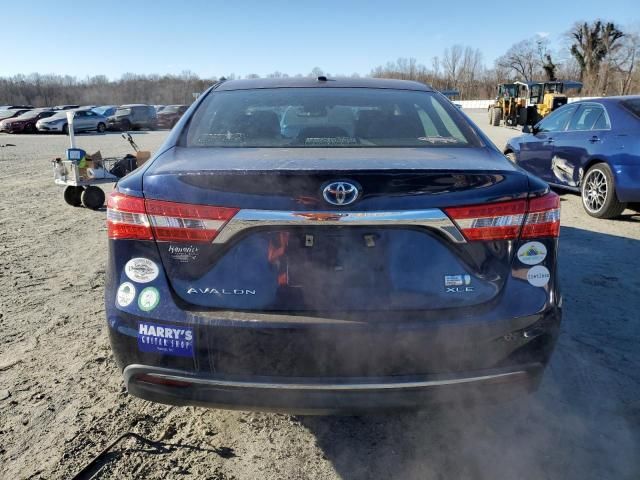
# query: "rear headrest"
{"points": [[378, 124], [259, 125]]}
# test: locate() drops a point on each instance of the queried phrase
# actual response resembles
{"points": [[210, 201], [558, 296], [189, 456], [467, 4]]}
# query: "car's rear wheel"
{"points": [[93, 197], [65, 129], [598, 193], [125, 125], [73, 196], [101, 127], [30, 128]]}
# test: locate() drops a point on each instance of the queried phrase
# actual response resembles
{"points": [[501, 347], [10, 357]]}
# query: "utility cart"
{"points": [[81, 177], [81, 173]]}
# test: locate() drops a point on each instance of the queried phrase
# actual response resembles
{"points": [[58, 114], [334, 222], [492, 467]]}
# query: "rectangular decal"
{"points": [[165, 339]]}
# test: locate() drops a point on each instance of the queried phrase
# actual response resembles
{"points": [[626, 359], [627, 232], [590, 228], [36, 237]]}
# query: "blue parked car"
{"points": [[591, 147]]}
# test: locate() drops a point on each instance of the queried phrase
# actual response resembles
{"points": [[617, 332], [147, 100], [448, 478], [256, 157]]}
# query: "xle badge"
{"points": [[457, 283]]}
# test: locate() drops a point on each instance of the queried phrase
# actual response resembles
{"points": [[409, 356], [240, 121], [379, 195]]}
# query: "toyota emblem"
{"points": [[341, 193]]}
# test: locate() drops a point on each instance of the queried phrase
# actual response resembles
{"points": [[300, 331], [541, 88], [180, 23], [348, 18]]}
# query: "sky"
{"points": [[215, 38]]}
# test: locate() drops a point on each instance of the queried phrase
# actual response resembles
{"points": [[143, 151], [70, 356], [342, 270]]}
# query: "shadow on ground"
{"points": [[583, 423]]}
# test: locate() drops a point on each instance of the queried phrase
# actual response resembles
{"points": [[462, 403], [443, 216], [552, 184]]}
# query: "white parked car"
{"points": [[84, 120]]}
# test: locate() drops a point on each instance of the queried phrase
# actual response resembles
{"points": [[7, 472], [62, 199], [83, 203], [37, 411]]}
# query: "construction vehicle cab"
{"points": [[526, 103]]}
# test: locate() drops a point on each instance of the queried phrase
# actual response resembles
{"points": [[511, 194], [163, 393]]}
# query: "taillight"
{"points": [[126, 218], [538, 217], [135, 218], [182, 222], [493, 221], [543, 217]]}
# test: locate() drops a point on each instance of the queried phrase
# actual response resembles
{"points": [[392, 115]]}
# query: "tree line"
{"points": [[604, 57], [601, 54]]}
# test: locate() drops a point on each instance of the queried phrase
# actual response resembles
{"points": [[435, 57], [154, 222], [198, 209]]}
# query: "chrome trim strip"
{"points": [[432, 219], [132, 370]]}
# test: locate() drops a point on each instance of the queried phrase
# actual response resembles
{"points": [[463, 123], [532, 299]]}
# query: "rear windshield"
{"points": [[328, 117], [633, 106]]}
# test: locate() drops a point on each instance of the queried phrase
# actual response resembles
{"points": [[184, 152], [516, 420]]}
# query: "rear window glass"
{"points": [[603, 122], [328, 117], [633, 106]]}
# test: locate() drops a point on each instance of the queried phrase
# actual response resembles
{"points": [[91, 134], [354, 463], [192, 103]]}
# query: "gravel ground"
{"points": [[62, 399]]}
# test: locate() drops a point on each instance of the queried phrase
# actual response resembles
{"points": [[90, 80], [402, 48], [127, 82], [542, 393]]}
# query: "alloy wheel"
{"points": [[595, 192]]}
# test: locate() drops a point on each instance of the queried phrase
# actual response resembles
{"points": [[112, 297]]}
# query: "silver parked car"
{"points": [[84, 120]]}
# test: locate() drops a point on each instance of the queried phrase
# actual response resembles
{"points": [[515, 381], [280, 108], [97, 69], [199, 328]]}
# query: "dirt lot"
{"points": [[62, 399]]}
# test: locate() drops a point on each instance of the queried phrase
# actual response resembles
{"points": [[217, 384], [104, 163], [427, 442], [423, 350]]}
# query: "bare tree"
{"points": [[451, 61], [593, 44], [523, 59]]}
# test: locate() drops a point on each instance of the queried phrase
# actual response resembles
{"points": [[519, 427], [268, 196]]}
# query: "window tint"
{"points": [[602, 123], [328, 117], [586, 117], [557, 120]]}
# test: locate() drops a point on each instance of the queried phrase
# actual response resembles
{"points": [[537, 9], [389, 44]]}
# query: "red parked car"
{"points": [[170, 115], [25, 123], [4, 114]]}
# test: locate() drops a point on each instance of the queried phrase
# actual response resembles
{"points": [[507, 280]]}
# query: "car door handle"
{"points": [[595, 139]]}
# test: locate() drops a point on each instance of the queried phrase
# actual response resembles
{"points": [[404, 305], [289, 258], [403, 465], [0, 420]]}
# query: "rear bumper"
{"points": [[305, 396], [359, 373]]}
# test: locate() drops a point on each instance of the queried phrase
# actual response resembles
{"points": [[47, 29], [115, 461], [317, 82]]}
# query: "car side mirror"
{"points": [[527, 129]]}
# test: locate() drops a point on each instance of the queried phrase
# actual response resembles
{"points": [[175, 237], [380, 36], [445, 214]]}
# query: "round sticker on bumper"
{"points": [[141, 270], [126, 294], [538, 276], [532, 253], [148, 299]]}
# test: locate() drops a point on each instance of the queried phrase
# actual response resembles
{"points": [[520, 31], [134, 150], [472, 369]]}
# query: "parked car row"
{"points": [[28, 119]]}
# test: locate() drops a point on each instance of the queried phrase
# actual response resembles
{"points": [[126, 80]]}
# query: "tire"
{"points": [[497, 116], [73, 196], [512, 157], [490, 114], [522, 117], [65, 129], [93, 197], [126, 125], [598, 193], [30, 128], [101, 127]]}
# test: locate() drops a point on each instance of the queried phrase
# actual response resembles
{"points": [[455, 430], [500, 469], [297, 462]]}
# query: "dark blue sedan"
{"points": [[591, 147], [324, 245]]}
